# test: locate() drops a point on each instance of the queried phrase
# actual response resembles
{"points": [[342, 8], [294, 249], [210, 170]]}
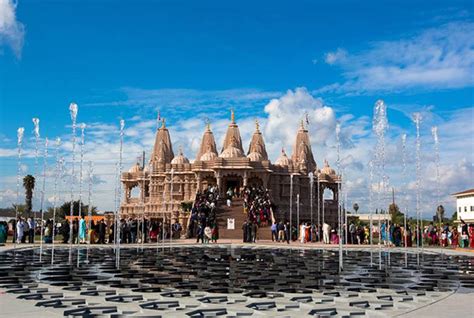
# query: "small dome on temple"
{"points": [[283, 160], [232, 152], [208, 156], [180, 158], [135, 168], [255, 156], [327, 169]]}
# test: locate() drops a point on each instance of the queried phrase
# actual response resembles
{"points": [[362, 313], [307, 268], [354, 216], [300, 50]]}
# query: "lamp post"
{"points": [[298, 216], [319, 209], [291, 204], [171, 198], [311, 182]]}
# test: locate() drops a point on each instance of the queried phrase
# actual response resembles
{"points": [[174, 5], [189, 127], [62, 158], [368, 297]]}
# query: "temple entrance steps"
{"points": [[236, 212]]}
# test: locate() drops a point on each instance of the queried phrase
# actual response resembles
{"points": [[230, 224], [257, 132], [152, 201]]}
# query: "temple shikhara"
{"points": [[170, 179]]}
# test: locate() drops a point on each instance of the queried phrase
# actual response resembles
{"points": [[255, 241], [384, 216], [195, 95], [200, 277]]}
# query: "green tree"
{"points": [[29, 185], [395, 214]]}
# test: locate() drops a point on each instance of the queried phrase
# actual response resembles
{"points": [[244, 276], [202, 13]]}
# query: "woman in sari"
{"points": [[82, 230]]}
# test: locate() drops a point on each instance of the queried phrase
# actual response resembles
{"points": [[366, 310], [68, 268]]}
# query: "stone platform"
{"points": [[232, 280]]}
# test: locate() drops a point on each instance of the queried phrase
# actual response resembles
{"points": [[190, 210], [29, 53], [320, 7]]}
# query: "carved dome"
{"points": [[255, 156], [232, 152], [283, 160], [208, 156], [135, 168], [327, 169], [180, 159]]}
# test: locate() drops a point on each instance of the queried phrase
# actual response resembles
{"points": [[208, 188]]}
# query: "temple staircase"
{"points": [[236, 212]]}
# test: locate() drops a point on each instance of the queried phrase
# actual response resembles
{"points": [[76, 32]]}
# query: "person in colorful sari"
{"points": [[471, 235], [454, 237], [82, 230]]}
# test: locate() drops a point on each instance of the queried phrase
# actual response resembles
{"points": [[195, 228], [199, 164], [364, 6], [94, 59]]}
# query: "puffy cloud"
{"points": [[441, 57], [12, 32], [337, 56], [7, 197]]}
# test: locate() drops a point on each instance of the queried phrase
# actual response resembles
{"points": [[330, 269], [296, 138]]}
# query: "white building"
{"points": [[465, 205]]}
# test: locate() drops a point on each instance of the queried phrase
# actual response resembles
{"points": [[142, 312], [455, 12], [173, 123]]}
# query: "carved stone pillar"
{"points": [[246, 178], [219, 182], [198, 181]]}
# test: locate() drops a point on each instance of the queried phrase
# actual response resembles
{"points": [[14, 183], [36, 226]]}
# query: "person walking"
{"points": [[20, 226], [281, 232], [326, 231], [31, 230], [287, 232], [102, 228], [82, 230], [274, 229]]}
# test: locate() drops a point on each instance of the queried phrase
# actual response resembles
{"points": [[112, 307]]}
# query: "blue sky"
{"points": [[196, 59]]}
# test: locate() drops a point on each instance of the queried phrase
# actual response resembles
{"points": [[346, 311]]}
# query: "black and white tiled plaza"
{"points": [[230, 281]]}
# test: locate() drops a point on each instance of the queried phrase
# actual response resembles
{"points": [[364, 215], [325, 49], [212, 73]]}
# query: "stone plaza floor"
{"points": [[233, 280]]}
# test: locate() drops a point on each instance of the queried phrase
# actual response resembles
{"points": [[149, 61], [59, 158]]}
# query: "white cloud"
{"points": [[279, 122], [7, 197], [12, 32], [337, 56], [440, 57]]}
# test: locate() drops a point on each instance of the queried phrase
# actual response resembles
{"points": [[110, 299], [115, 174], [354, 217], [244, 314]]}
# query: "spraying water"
{"points": [[82, 126], [434, 132], [73, 112], [89, 209], [417, 120], [371, 194], [45, 157], [36, 131], [339, 191], [380, 126], [405, 179], [20, 133], [119, 192], [57, 175]]}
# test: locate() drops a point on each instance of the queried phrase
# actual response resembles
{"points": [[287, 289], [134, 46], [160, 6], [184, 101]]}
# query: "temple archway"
{"points": [[232, 181]]}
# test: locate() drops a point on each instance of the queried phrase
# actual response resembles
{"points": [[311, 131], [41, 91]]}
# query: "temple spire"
{"points": [[233, 139], [208, 145], [257, 150], [302, 152], [232, 116], [162, 149]]}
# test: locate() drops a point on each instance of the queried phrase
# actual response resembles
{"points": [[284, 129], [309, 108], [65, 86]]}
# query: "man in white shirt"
{"points": [[326, 231]]}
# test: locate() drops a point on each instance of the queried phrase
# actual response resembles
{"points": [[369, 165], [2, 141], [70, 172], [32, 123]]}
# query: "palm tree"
{"points": [[355, 207], [29, 185]]}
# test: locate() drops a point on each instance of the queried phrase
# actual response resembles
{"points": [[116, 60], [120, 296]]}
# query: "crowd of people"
{"points": [[203, 219], [257, 205], [389, 234], [100, 232]]}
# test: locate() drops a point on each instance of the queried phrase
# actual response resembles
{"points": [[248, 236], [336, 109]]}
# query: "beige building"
{"points": [[170, 179]]}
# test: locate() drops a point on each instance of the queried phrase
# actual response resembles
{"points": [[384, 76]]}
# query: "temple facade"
{"points": [[169, 179]]}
